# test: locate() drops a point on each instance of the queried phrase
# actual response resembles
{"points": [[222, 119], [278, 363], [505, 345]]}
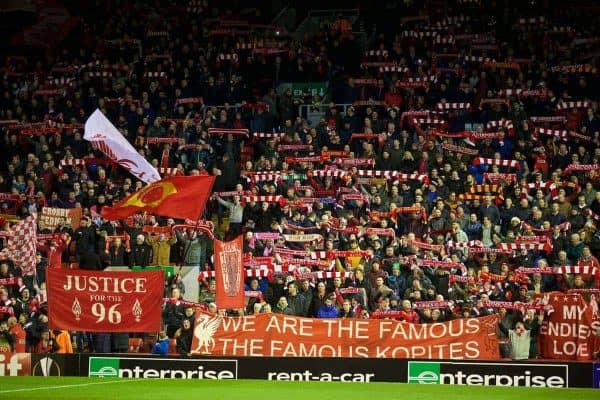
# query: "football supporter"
{"points": [[427, 165]]}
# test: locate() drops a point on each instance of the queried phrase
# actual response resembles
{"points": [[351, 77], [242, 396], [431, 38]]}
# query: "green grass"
{"points": [[63, 388]]}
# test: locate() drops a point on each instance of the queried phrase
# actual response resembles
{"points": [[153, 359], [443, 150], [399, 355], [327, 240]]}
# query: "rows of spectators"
{"points": [[527, 74]]}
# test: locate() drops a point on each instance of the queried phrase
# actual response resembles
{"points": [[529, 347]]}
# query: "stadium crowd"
{"points": [[456, 165]]}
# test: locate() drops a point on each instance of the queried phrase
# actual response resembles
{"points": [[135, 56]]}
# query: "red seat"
{"points": [[173, 346], [135, 345]]}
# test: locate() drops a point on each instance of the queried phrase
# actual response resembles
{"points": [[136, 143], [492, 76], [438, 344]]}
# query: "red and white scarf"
{"points": [[567, 105], [581, 167], [500, 163], [497, 178], [422, 305], [354, 161], [502, 123], [460, 149], [452, 106], [295, 147]]}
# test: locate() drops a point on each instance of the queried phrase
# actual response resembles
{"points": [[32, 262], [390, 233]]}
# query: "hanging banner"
{"points": [[229, 268], [52, 217], [569, 333], [277, 335], [102, 301]]}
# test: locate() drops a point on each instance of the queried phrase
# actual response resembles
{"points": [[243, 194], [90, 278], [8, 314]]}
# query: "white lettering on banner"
{"points": [[290, 336], [199, 373], [273, 348], [570, 349], [51, 217], [395, 330], [99, 311], [105, 284], [291, 326], [235, 324], [460, 378], [574, 312], [342, 329], [308, 376]]}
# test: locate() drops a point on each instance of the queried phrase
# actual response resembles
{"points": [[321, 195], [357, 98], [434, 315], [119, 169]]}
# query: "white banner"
{"points": [[101, 132]]}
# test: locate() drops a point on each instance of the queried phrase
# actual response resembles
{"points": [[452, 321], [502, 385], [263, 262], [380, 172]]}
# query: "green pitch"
{"points": [[122, 389]]}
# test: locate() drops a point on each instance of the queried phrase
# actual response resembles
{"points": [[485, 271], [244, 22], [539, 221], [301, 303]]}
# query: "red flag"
{"points": [[176, 197], [103, 301], [21, 246], [229, 268]]}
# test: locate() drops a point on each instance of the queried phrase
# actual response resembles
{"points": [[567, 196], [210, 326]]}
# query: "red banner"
{"points": [[569, 333], [101, 301], [277, 335], [229, 267]]}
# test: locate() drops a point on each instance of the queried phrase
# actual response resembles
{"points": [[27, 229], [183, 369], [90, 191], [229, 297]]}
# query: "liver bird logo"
{"points": [[205, 329]]}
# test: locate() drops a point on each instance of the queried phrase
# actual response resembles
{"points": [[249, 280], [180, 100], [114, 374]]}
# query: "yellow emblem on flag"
{"points": [[152, 195]]}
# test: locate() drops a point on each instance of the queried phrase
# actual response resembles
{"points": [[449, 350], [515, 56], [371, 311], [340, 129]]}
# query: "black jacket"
{"points": [[140, 255], [90, 261]]}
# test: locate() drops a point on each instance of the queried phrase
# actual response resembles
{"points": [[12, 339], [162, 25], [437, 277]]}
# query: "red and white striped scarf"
{"points": [[452, 106], [464, 245], [249, 273], [268, 135], [565, 226], [567, 105], [334, 173], [260, 199], [546, 247], [500, 163], [577, 270], [393, 68], [423, 178], [169, 171], [502, 123], [429, 121]]}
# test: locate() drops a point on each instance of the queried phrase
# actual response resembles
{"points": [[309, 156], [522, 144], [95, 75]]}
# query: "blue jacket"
{"points": [[327, 312], [161, 347]]}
